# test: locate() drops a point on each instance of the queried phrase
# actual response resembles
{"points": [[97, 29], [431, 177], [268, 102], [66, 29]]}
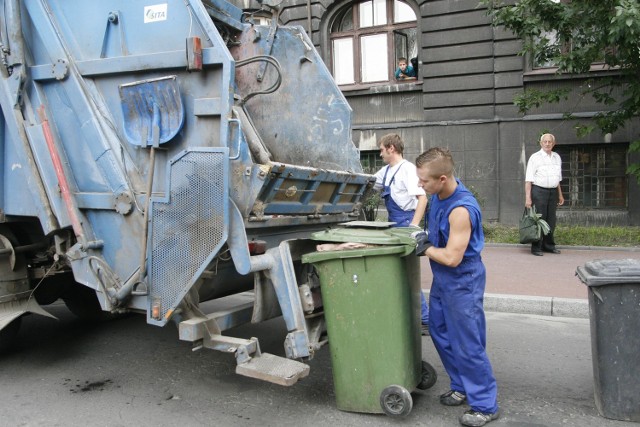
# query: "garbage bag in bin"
{"points": [[371, 300], [614, 312]]}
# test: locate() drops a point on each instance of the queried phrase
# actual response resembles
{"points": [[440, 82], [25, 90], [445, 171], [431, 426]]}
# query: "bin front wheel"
{"points": [[396, 401], [429, 376]]}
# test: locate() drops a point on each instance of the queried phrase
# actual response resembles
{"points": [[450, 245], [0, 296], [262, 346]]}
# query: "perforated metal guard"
{"points": [[188, 227]]}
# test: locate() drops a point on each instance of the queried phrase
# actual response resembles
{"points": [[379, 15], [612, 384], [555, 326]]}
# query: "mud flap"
{"points": [[11, 310]]}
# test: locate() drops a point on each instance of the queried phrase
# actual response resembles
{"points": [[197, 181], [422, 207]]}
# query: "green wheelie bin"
{"points": [[371, 299]]}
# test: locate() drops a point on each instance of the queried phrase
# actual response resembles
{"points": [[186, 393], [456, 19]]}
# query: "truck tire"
{"points": [[83, 302]]}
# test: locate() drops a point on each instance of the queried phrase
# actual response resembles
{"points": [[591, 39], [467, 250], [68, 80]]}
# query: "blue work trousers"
{"points": [[458, 331]]}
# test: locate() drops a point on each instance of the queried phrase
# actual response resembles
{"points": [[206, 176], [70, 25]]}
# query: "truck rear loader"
{"points": [[156, 155]]}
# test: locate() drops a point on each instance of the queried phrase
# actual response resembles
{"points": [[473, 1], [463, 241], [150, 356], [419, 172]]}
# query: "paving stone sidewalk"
{"points": [[518, 282]]}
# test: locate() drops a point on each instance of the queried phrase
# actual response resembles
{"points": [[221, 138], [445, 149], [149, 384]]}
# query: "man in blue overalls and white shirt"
{"points": [[405, 201]]}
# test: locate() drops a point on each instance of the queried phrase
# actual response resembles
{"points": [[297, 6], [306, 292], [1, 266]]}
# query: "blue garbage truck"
{"points": [[155, 155]]}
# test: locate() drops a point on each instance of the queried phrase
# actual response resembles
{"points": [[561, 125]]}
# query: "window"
{"points": [[549, 40], [551, 44], [371, 161], [593, 176], [368, 38], [257, 17]]}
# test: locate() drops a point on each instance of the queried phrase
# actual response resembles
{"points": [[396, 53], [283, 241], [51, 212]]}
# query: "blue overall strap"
{"points": [[384, 179]]}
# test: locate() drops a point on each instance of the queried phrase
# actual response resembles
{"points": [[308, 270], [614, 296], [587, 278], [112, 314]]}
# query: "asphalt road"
{"points": [[128, 373]]}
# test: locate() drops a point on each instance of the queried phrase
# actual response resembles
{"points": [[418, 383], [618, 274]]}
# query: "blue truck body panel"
{"points": [[147, 149]]}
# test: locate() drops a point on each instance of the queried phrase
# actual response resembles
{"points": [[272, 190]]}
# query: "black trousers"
{"points": [[546, 202]]}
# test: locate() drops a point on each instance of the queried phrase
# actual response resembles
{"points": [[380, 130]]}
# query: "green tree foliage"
{"points": [[573, 35]]}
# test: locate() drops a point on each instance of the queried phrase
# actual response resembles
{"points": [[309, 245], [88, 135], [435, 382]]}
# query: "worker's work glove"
{"points": [[422, 241]]}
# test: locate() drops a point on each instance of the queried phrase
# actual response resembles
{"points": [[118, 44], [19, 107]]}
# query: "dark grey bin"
{"points": [[614, 312]]}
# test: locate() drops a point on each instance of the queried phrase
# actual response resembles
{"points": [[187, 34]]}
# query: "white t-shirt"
{"points": [[544, 170], [404, 188]]}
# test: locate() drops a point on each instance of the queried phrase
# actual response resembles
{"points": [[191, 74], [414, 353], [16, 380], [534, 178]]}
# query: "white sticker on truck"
{"points": [[155, 13]]}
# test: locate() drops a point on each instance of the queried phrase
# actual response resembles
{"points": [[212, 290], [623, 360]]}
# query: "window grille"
{"points": [[594, 176]]}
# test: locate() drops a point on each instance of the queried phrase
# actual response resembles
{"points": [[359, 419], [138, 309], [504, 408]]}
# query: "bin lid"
{"points": [[368, 224], [315, 257], [609, 272], [391, 236]]}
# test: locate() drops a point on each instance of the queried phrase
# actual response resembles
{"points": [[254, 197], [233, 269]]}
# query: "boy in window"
{"points": [[404, 71]]}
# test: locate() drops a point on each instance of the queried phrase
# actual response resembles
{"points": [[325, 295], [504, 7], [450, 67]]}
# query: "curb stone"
{"points": [[578, 248], [544, 306]]}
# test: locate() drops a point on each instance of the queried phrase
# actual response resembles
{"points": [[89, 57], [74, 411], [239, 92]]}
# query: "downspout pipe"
{"points": [[310, 28]]}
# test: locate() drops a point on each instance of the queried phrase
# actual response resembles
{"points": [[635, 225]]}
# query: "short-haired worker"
{"points": [[457, 321]]}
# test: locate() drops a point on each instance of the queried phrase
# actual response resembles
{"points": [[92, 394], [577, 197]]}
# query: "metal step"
{"points": [[275, 369]]}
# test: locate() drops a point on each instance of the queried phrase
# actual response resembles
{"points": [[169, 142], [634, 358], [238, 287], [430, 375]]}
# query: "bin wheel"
{"points": [[396, 401], [429, 376]]}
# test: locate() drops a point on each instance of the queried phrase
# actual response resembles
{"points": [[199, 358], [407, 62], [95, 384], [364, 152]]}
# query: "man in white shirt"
{"points": [[398, 181], [405, 201], [542, 190]]}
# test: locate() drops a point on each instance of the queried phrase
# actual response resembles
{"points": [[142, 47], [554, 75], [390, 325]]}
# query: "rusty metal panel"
{"points": [[304, 119]]}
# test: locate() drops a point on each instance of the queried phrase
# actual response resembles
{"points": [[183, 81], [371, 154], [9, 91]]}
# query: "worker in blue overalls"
{"points": [[404, 199], [457, 321]]}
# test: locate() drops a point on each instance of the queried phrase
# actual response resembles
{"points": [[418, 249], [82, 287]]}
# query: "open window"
{"points": [[368, 38]]}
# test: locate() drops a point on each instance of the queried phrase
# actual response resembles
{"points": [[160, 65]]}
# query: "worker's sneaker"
{"points": [[424, 329], [473, 418], [452, 398]]}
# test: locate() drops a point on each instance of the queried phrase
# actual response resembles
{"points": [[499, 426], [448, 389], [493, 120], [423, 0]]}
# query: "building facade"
{"points": [[467, 74]]}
